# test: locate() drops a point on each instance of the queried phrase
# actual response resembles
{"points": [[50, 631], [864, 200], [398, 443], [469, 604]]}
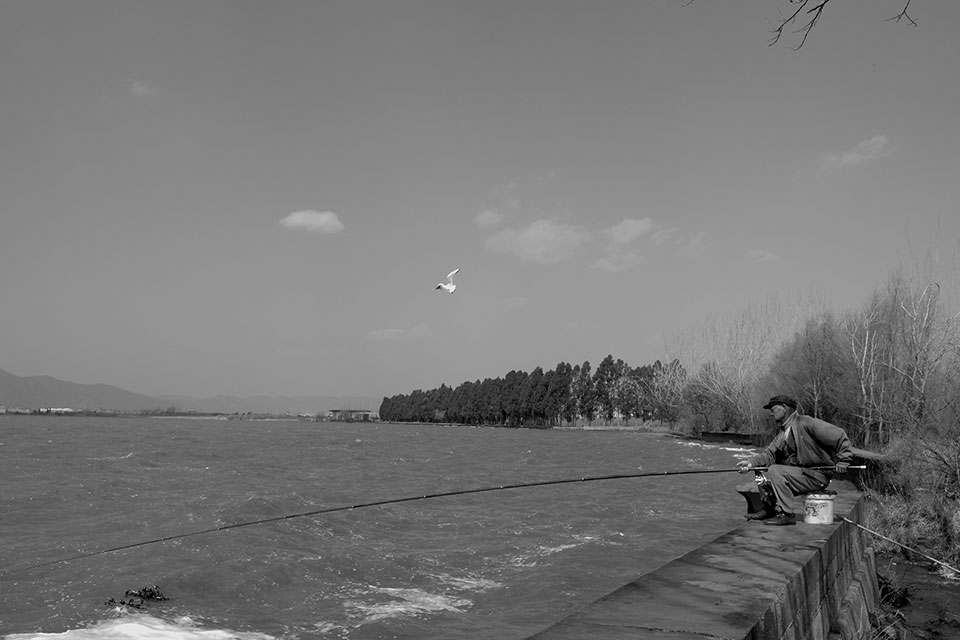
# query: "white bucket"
{"points": [[818, 508]]}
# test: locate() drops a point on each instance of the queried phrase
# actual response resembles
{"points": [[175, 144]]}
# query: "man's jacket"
{"points": [[810, 443]]}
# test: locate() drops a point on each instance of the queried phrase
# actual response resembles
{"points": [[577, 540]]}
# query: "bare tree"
{"points": [[864, 335], [728, 356], [665, 390], [905, 345]]}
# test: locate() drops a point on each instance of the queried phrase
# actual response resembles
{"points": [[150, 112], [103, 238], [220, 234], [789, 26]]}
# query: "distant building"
{"points": [[350, 415]]}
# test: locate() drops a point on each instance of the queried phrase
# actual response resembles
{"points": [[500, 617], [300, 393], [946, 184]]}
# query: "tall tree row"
{"points": [[565, 395]]}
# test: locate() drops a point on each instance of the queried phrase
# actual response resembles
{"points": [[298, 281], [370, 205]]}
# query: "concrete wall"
{"points": [[802, 582]]}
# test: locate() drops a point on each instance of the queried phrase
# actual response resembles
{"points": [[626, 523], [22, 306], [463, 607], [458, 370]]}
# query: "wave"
{"points": [[113, 458], [375, 603], [137, 626], [721, 447], [472, 583], [406, 603]]}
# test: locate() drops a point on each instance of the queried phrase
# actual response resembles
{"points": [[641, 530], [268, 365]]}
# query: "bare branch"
{"points": [[903, 15], [814, 12]]}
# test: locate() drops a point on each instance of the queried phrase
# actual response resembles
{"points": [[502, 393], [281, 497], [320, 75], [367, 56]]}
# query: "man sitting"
{"points": [[803, 444]]}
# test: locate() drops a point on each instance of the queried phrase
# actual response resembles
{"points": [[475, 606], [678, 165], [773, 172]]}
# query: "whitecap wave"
{"points": [[405, 603], [719, 447], [544, 550], [469, 583], [143, 627]]}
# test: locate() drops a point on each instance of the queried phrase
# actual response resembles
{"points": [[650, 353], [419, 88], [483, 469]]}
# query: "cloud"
{"points": [[617, 256], [692, 247], [865, 152], [418, 331], [663, 235], [619, 261], [762, 255], [314, 221], [141, 89], [625, 245], [628, 230], [544, 241], [515, 302], [385, 334], [488, 218], [391, 335]]}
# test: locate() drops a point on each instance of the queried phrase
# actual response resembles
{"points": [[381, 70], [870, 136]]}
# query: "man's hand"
{"points": [[842, 467], [743, 466]]}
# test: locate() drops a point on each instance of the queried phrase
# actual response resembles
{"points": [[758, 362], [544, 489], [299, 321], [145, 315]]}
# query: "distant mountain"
{"points": [[38, 392]]}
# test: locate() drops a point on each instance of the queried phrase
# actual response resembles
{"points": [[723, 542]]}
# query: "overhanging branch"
{"points": [[808, 12], [903, 15], [815, 11]]}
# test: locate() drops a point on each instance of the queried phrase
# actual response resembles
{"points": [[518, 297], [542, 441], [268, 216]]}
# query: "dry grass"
{"points": [[926, 522]]}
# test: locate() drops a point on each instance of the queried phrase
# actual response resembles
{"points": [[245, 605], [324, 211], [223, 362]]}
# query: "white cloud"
{"points": [[385, 334], [663, 235], [543, 241], [692, 247], [865, 152], [762, 255], [619, 261], [628, 230], [141, 89], [419, 331], [617, 256], [625, 245], [314, 221], [488, 218]]}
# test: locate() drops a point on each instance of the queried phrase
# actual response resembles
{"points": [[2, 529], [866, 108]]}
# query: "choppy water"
{"points": [[498, 565]]}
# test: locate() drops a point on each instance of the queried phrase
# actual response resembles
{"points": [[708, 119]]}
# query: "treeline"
{"points": [[565, 395]]}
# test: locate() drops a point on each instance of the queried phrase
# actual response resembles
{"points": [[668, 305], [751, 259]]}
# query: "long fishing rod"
{"points": [[379, 503]]}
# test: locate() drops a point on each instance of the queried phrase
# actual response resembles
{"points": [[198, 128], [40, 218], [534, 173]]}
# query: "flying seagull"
{"points": [[448, 286]]}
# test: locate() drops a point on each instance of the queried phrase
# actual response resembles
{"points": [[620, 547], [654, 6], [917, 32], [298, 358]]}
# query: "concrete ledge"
{"points": [[803, 582]]}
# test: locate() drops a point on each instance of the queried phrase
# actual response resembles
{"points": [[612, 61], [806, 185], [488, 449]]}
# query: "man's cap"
{"points": [[786, 401]]}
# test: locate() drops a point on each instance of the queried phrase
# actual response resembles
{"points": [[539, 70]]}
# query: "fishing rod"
{"points": [[379, 503], [364, 505]]}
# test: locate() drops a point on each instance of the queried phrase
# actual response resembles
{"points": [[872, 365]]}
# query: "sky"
{"points": [[241, 198]]}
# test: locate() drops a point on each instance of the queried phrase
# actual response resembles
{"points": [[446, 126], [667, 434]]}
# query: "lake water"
{"points": [[498, 565]]}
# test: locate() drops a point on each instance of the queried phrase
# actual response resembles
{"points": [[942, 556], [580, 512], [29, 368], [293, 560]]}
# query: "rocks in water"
{"points": [[138, 598], [148, 593]]}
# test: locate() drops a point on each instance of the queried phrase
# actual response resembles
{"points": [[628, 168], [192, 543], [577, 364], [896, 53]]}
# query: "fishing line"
{"points": [[880, 535], [377, 503]]}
